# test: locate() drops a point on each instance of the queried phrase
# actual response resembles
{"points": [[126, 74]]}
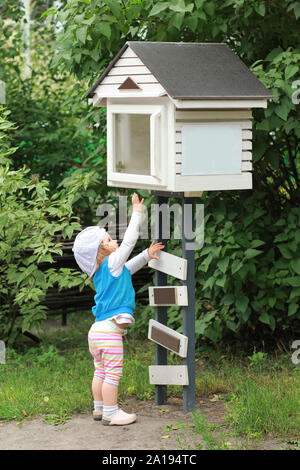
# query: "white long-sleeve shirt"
{"points": [[118, 259]]}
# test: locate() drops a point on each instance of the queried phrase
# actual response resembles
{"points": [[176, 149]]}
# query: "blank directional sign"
{"points": [[168, 338], [168, 375], [170, 264], [167, 295]]}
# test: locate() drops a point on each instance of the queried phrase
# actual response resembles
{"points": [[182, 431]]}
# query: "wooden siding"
{"points": [[213, 182], [129, 65]]}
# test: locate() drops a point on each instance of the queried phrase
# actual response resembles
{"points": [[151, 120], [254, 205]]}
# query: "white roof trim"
{"points": [[220, 103]]}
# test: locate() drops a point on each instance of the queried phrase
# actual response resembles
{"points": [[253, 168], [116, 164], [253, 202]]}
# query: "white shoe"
{"points": [[97, 415], [120, 418]]}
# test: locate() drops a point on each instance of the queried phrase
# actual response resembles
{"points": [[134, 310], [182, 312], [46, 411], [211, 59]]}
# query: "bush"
{"points": [[29, 219], [247, 283], [247, 273]]}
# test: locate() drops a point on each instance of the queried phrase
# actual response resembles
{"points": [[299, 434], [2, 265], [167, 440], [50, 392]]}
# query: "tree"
{"points": [[50, 138]]}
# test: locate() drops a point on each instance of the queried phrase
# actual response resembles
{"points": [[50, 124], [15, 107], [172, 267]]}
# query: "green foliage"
{"points": [[29, 219], [51, 137], [276, 146], [45, 355], [56, 419], [56, 136], [247, 273], [247, 270], [258, 360]]}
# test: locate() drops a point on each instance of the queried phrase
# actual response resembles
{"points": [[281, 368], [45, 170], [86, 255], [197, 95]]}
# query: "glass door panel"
{"points": [[132, 143]]}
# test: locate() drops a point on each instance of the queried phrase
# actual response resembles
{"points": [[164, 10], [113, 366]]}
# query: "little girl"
{"points": [[106, 263]]}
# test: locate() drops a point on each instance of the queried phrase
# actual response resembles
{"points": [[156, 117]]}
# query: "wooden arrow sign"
{"points": [[170, 264], [168, 338], [167, 295], [168, 375]]}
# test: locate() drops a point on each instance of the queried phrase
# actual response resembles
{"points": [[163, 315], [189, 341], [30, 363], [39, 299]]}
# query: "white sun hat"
{"points": [[85, 248]]}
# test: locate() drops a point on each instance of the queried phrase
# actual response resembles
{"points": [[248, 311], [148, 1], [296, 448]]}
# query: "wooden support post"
{"points": [[161, 354], [188, 363], [188, 326]]}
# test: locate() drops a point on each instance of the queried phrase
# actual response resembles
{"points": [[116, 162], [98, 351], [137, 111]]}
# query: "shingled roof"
{"points": [[195, 70]]}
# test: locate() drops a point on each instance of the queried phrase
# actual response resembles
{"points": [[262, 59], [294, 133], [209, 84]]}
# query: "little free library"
{"points": [[179, 122]]}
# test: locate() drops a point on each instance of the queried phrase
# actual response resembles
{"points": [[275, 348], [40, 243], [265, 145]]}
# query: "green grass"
{"points": [[205, 436], [57, 376], [266, 405], [261, 393]]}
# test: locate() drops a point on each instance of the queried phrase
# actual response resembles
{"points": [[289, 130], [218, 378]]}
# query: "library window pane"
{"points": [[132, 143]]}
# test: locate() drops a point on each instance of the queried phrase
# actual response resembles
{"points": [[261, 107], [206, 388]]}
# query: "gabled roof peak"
{"points": [[195, 70]]}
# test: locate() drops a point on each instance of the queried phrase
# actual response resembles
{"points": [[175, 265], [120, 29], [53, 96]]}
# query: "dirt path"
{"points": [[155, 429]]}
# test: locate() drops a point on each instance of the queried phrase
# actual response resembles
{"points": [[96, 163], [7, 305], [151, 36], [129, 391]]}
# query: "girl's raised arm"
{"points": [[118, 258]]}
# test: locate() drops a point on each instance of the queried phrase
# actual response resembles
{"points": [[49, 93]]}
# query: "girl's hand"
{"points": [[153, 248], [137, 205]]}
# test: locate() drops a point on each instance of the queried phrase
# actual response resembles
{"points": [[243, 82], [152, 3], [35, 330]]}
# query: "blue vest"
{"points": [[114, 294]]}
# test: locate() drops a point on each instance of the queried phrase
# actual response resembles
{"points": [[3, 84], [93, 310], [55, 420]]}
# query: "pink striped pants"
{"points": [[106, 346]]}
